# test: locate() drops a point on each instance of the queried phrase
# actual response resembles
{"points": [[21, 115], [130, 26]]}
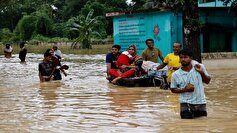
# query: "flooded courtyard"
{"points": [[85, 102]]}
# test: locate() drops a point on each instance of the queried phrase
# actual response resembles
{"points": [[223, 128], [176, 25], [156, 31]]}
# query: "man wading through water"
{"points": [[188, 81]]}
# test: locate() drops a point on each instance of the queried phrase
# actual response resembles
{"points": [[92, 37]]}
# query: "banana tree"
{"points": [[85, 26]]}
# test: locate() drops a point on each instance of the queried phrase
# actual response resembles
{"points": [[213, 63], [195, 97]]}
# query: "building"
{"points": [[218, 34]]}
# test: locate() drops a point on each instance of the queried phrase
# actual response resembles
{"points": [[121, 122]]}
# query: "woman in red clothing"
{"points": [[124, 63]]}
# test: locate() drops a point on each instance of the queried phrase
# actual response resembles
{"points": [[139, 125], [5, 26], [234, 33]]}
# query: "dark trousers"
{"points": [[57, 75], [190, 111]]}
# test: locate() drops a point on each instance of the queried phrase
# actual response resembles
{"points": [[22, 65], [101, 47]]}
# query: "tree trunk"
{"points": [[190, 35]]}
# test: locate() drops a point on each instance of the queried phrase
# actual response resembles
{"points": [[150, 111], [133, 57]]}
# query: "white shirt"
{"points": [[8, 50], [181, 78], [58, 53]]}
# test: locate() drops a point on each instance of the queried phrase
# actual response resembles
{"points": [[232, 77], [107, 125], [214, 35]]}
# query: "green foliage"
{"points": [[61, 30], [136, 5], [26, 27], [58, 39], [28, 18], [84, 26], [43, 25], [41, 38], [39, 22], [5, 35], [194, 24], [99, 10]]}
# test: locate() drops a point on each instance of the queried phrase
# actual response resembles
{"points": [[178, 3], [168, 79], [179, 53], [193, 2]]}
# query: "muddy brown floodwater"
{"points": [[85, 102]]}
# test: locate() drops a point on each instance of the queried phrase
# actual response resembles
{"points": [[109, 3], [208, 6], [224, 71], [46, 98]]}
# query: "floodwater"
{"points": [[85, 102]]}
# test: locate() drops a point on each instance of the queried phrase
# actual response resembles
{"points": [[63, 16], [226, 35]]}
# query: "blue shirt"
{"points": [[181, 78], [110, 58]]}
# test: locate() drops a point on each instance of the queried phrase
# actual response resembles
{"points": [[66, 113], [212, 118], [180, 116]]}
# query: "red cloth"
{"points": [[117, 73], [123, 60]]}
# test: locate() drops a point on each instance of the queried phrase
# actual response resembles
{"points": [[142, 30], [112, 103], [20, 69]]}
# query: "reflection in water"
{"points": [[85, 102], [48, 91], [124, 99]]}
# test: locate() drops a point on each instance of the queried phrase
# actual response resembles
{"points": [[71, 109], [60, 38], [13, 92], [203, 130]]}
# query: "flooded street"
{"points": [[85, 102]]}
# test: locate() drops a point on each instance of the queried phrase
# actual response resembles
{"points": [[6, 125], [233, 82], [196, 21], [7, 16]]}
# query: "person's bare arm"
{"points": [[41, 77], [50, 76], [127, 66], [108, 66], [161, 66], [206, 79], [63, 72], [161, 57], [187, 88]]}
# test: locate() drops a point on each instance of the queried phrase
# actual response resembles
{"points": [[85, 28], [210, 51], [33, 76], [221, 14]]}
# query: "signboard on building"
{"points": [[162, 27]]}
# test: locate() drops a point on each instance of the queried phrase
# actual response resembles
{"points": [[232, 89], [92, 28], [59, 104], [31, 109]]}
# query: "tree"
{"points": [[233, 4], [25, 27], [85, 28], [191, 28], [5, 35]]}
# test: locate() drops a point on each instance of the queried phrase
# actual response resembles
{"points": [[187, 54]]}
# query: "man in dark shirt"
{"points": [[46, 68], [23, 52], [58, 66], [111, 58]]}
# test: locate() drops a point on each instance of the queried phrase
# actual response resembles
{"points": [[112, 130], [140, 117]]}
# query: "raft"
{"points": [[151, 79], [143, 81]]}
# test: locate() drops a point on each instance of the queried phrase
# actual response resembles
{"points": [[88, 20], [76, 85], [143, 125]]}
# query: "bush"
{"points": [[5, 35]]}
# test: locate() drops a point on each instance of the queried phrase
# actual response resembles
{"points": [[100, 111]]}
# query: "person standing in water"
{"points": [[188, 81], [23, 52], [57, 52], [58, 67], [46, 68], [172, 60], [8, 51]]}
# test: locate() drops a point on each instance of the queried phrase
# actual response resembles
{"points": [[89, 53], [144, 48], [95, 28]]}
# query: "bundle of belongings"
{"points": [[151, 69]]}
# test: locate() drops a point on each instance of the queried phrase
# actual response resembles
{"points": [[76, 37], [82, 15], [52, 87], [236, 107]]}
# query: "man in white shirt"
{"points": [[57, 52], [188, 81], [8, 51]]}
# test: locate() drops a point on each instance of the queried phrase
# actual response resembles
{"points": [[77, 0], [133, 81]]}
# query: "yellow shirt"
{"points": [[151, 55], [173, 61]]}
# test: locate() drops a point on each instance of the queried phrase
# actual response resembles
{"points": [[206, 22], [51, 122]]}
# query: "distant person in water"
{"points": [[8, 51], [57, 52], [58, 67], [46, 68], [23, 52]]}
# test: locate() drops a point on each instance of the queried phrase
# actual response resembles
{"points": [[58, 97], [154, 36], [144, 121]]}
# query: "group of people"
{"points": [[22, 54], [185, 75], [50, 68], [128, 63]]}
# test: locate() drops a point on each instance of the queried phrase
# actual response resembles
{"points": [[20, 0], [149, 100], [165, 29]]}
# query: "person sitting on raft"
{"points": [[124, 63]]}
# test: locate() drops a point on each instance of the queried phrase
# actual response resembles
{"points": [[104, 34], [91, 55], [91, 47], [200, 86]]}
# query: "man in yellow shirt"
{"points": [[172, 60], [151, 53]]}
